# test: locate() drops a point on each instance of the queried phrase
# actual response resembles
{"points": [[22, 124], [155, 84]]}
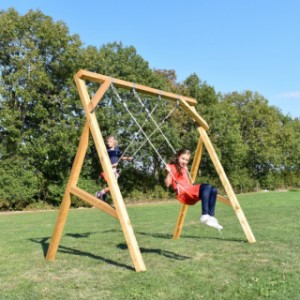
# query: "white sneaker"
{"points": [[210, 221], [204, 219], [215, 223]]}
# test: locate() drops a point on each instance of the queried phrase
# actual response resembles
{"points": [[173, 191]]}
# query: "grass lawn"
{"points": [[93, 261]]}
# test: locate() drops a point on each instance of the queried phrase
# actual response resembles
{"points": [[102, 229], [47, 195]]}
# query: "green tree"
{"points": [[40, 113], [261, 128], [290, 147], [41, 118]]}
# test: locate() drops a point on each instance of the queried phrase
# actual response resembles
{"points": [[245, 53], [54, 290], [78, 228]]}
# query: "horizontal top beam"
{"points": [[95, 77]]}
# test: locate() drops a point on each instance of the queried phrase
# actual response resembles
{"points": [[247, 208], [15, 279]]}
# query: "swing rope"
{"points": [[134, 136], [158, 128], [148, 138], [153, 132], [136, 122], [150, 116]]}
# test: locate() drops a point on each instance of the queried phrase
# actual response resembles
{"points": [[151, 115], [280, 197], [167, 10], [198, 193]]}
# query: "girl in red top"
{"points": [[187, 193]]}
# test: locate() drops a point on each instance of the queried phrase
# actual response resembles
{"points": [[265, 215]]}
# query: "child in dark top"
{"points": [[115, 154], [187, 193]]}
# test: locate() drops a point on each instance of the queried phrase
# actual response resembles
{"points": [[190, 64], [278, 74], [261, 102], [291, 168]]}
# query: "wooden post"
{"points": [[227, 186], [111, 179], [193, 114], [102, 205], [197, 159], [180, 221], [65, 206], [95, 77], [183, 207]]}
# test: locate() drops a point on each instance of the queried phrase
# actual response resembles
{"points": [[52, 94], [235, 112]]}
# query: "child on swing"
{"points": [[115, 155], [178, 178]]}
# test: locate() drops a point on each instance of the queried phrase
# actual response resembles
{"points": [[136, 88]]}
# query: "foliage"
{"points": [[19, 184], [272, 145], [39, 115], [41, 119]]}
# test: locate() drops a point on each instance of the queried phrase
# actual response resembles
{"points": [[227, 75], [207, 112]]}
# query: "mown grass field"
{"points": [[93, 261]]}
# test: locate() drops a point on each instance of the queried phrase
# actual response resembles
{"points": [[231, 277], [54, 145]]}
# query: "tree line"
{"points": [[41, 119]]}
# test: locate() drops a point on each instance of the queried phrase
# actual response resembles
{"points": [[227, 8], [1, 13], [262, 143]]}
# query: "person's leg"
{"points": [[208, 196], [204, 195], [212, 201], [102, 194]]}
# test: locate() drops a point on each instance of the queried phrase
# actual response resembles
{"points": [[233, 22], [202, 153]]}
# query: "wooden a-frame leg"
{"points": [[227, 186], [117, 198], [111, 179], [65, 205], [180, 221]]}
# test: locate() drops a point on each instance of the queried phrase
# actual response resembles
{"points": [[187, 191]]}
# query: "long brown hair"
{"points": [[175, 161]]}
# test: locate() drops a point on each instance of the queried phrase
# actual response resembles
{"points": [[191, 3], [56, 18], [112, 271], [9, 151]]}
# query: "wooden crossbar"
{"points": [[94, 77], [94, 201]]}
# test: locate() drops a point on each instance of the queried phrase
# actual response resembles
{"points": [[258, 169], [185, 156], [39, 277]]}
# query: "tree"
{"points": [[41, 117], [40, 114], [261, 129], [290, 146]]}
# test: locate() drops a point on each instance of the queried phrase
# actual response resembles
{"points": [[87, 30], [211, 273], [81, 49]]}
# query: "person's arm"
{"points": [[168, 179], [127, 158]]}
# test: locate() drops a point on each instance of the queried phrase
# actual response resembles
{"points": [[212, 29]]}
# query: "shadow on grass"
{"points": [[45, 245], [166, 236], [166, 253], [44, 242], [170, 236], [79, 235]]}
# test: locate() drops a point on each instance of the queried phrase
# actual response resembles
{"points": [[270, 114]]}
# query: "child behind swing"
{"points": [[178, 178], [115, 155]]}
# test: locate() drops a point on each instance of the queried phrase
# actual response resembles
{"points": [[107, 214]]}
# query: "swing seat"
{"points": [[187, 198]]}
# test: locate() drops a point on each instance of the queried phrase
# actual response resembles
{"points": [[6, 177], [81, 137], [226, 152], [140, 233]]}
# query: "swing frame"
{"points": [[119, 210]]}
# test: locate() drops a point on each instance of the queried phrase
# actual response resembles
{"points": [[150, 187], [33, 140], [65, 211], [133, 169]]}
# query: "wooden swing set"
{"points": [[119, 210]]}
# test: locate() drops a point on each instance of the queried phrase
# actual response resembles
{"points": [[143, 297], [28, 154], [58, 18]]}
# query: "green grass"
{"points": [[93, 261]]}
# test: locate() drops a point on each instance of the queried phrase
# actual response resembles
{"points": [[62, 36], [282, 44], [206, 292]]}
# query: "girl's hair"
{"points": [[175, 161], [112, 137]]}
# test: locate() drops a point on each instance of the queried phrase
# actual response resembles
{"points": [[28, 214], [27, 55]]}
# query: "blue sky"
{"points": [[233, 45]]}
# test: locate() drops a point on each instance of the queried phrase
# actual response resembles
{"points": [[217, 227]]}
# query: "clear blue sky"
{"points": [[233, 45]]}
